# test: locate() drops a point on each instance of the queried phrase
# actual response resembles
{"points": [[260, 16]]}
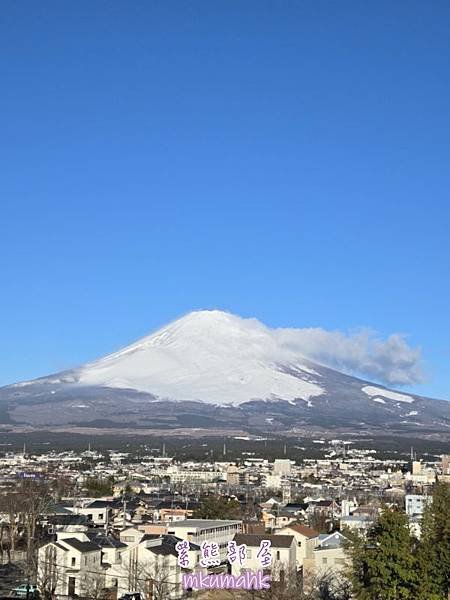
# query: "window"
{"points": [[339, 561], [100, 516], [324, 561], [74, 561], [278, 555]]}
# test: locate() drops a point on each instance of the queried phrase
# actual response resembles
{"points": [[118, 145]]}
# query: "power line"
{"points": [[113, 576]]}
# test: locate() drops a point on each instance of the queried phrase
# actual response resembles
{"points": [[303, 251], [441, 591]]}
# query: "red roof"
{"points": [[308, 532]]}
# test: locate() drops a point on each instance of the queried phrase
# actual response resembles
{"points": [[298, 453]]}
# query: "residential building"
{"points": [[282, 549], [206, 530], [416, 503], [306, 539]]}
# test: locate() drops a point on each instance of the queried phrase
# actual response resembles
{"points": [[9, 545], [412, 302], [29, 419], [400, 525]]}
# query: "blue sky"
{"points": [[283, 160]]}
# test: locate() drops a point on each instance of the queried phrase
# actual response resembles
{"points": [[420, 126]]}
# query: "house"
{"points": [[329, 554], [306, 540], [151, 568], [173, 510], [282, 550], [71, 565], [326, 508], [416, 503], [111, 547], [297, 509], [131, 535], [359, 523], [99, 512]]}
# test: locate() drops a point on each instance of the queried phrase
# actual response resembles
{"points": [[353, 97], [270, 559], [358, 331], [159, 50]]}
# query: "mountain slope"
{"points": [[213, 369]]}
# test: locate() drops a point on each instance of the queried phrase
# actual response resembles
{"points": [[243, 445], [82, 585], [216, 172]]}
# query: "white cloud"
{"points": [[362, 353]]}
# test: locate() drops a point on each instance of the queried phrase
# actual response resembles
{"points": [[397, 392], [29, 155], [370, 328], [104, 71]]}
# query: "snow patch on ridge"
{"points": [[372, 390]]}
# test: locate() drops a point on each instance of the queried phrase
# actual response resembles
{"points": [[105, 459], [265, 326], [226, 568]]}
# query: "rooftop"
{"points": [[254, 539], [204, 523], [308, 532]]}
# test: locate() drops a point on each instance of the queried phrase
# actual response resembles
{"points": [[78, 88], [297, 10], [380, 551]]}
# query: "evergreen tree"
{"points": [[383, 563], [218, 507], [433, 556]]}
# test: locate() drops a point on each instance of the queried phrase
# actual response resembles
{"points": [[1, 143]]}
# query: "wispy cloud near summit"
{"points": [[391, 360]]}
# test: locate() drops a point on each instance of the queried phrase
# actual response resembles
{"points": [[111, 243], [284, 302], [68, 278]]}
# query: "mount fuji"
{"points": [[212, 370]]}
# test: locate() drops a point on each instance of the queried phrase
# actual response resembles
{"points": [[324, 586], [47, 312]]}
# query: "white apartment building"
{"points": [[206, 530]]}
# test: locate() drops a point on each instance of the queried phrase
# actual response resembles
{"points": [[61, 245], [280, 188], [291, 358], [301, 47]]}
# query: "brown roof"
{"points": [[308, 532], [252, 539]]}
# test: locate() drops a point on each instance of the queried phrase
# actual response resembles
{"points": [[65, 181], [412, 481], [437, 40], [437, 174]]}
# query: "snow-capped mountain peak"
{"points": [[211, 356], [208, 360]]}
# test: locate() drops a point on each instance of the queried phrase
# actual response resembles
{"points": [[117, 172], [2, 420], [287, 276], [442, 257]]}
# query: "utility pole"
{"points": [[124, 522], [106, 521]]}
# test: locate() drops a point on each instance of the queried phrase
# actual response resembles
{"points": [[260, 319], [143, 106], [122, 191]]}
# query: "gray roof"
{"points": [[330, 540], [204, 523], [104, 541], [101, 504], [81, 546], [167, 539], [59, 546], [254, 539], [57, 509]]}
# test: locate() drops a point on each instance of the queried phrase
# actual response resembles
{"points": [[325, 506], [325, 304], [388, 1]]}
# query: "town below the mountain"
{"points": [[106, 524]]}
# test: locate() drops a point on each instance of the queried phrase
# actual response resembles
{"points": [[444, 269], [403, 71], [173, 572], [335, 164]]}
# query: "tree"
{"points": [[35, 500], [48, 573], [151, 576], [93, 583], [11, 505], [383, 564], [433, 555], [321, 522], [4, 541], [99, 487], [218, 507]]}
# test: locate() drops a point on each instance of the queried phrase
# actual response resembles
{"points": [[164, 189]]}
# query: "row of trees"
{"points": [[391, 564]]}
